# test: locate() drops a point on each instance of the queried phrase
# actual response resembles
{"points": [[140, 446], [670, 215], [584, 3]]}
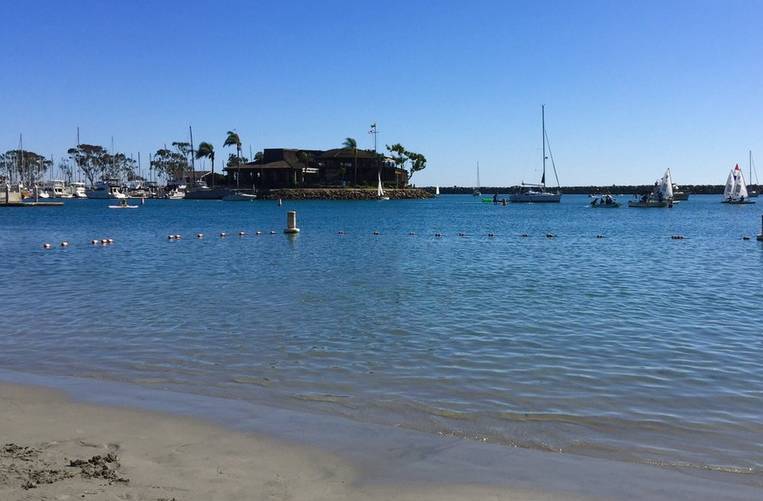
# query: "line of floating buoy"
{"points": [[174, 237], [438, 235], [599, 236], [677, 237]]}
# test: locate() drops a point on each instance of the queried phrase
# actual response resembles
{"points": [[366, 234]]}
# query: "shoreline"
{"points": [[343, 459]]}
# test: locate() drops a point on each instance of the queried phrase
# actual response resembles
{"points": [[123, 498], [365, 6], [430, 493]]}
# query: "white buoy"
{"points": [[104, 241], [223, 234], [291, 223], [94, 242], [272, 232], [412, 233], [241, 233], [46, 246], [258, 232], [64, 244], [111, 240], [200, 235], [377, 233]]}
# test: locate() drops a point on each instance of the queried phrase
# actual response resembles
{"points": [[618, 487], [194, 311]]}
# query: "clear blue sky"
{"points": [[630, 88]]}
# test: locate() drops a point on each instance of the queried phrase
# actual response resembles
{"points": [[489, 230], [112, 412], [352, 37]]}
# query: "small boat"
{"points": [[380, 189], [735, 192], [661, 195], [753, 189], [123, 205], [437, 191], [77, 189], [605, 202], [177, 193], [678, 194], [537, 193], [106, 189], [237, 196]]}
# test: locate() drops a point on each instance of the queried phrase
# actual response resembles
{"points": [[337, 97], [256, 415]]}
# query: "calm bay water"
{"points": [[635, 346]]}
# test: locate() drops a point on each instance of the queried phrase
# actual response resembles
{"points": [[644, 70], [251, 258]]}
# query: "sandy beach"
{"points": [[53, 447]]}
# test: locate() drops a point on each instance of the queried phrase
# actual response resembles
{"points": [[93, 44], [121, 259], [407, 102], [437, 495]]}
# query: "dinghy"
{"points": [[661, 195], [735, 191], [605, 202]]}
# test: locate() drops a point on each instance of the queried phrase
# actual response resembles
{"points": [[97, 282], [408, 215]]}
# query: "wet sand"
{"points": [[52, 447]]}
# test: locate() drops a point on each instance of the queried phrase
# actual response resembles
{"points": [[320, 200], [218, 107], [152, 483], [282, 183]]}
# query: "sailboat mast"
{"points": [[193, 165], [543, 127], [478, 174]]}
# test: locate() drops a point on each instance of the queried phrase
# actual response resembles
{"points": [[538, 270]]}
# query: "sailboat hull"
{"points": [[536, 198]]}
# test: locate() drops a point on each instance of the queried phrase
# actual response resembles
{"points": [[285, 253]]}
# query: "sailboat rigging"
{"points": [[537, 193]]}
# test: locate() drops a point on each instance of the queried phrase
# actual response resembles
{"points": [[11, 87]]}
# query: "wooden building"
{"points": [[292, 168]]}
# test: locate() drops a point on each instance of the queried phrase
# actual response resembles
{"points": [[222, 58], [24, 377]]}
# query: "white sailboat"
{"points": [[476, 191], [735, 191], [437, 191], [537, 193], [380, 189], [753, 189], [661, 195]]}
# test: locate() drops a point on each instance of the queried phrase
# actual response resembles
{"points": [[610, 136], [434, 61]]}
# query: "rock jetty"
{"points": [[343, 194]]}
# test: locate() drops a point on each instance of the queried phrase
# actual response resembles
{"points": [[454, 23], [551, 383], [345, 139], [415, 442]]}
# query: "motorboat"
{"points": [[105, 190], [238, 196], [605, 202], [177, 193], [57, 189], [77, 190]]}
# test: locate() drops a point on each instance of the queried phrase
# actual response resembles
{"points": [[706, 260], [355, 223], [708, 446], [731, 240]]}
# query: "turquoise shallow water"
{"points": [[635, 346]]}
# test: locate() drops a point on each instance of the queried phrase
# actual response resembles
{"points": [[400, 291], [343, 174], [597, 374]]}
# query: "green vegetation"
{"points": [[402, 157]]}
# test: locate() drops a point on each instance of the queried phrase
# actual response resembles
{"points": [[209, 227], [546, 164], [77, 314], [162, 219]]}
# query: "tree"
{"points": [[26, 166], [401, 156], [67, 169], [206, 150], [91, 159], [304, 158], [351, 143], [259, 156], [418, 162], [171, 164], [232, 139]]}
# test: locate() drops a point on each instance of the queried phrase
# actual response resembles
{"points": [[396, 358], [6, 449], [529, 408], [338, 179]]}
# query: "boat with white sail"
{"points": [[380, 189], [735, 191], [476, 192], [660, 197], [538, 193]]}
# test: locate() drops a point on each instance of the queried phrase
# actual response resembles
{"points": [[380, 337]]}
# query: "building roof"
{"points": [[348, 153]]}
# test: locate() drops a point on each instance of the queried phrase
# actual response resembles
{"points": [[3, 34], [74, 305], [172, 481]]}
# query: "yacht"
{"points": [[537, 193], [56, 189], [177, 192], [77, 189], [108, 189]]}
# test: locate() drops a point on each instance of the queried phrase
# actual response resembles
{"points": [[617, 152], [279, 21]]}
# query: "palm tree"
{"points": [[233, 139], [206, 150], [351, 143]]}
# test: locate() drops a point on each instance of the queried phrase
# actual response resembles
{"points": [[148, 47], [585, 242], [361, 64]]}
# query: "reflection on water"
{"points": [[634, 346]]}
